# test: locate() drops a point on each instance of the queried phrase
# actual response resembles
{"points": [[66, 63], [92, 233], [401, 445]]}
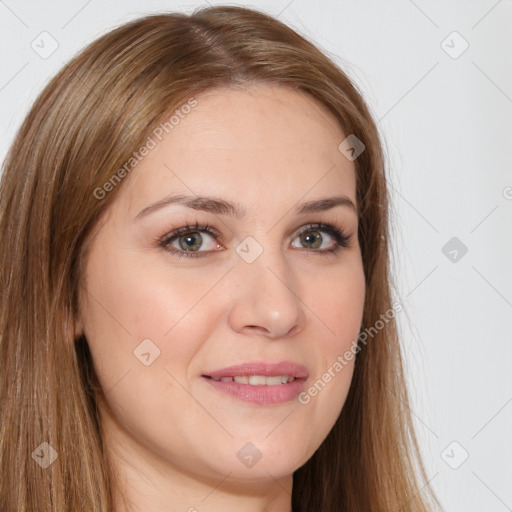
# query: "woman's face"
{"points": [[166, 314]]}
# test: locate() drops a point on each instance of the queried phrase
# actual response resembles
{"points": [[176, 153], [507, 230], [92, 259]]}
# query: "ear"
{"points": [[74, 318], [79, 331], [74, 326]]}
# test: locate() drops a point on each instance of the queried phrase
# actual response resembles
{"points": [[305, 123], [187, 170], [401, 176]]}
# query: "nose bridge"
{"points": [[266, 298]]}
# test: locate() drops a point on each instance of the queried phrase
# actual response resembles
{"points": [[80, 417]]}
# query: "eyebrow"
{"points": [[222, 207]]}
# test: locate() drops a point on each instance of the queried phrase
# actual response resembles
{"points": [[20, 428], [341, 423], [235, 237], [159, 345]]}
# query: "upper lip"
{"points": [[261, 368]]}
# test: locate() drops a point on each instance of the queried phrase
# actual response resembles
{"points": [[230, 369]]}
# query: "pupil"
{"points": [[191, 241], [312, 238]]}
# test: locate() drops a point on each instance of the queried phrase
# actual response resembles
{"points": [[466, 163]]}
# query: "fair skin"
{"points": [[175, 439]]}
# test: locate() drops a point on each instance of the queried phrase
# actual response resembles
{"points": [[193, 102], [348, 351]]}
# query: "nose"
{"points": [[266, 300]]}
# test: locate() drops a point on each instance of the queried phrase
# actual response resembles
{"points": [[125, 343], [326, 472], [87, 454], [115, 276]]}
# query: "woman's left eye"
{"points": [[312, 235], [187, 241]]}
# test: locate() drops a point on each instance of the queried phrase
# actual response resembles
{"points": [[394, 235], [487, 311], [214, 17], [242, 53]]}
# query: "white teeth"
{"points": [[262, 380], [273, 381], [257, 380]]}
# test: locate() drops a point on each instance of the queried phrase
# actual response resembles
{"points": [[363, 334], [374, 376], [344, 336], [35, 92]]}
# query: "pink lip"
{"points": [[262, 395]]}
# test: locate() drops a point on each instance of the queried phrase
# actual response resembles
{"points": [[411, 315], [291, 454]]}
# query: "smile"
{"points": [[257, 380], [260, 383]]}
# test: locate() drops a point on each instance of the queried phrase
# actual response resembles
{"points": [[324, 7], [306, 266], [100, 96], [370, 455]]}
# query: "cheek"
{"points": [[130, 301], [144, 325], [340, 311], [344, 309], [143, 329], [338, 302]]}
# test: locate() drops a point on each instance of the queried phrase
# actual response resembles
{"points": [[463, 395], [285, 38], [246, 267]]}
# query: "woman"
{"points": [[196, 307]]}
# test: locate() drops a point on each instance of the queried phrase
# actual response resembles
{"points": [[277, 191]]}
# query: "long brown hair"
{"points": [[85, 124]]}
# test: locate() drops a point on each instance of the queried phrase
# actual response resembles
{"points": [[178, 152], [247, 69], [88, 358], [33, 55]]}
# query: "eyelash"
{"points": [[341, 239]]}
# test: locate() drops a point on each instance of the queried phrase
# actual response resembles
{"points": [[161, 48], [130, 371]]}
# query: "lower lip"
{"points": [[262, 395]]}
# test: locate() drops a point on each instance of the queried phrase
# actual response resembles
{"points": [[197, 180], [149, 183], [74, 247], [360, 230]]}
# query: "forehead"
{"points": [[262, 143]]}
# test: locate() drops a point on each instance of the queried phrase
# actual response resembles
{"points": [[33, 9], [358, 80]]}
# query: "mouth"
{"points": [[260, 383], [256, 380]]}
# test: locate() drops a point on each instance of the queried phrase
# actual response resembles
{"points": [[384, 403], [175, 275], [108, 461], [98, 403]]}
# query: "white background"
{"points": [[446, 123]]}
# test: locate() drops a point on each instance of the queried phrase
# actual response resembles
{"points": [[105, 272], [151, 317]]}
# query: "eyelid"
{"points": [[188, 228]]}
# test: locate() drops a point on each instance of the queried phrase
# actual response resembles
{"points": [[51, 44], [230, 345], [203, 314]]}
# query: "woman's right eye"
{"points": [[187, 241]]}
